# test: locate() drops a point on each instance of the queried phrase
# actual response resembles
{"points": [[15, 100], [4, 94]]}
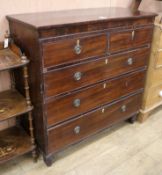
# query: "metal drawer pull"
{"points": [[78, 76], [77, 130], [130, 61], [124, 108], [160, 93], [78, 48], [76, 103], [133, 34]]}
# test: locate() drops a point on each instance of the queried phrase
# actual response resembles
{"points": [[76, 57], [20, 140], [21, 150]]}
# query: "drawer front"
{"points": [[85, 100], [72, 50], [129, 39], [81, 75], [77, 129], [154, 96]]}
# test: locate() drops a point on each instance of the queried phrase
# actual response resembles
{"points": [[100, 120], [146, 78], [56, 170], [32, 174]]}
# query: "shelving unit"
{"points": [[15, 141]]}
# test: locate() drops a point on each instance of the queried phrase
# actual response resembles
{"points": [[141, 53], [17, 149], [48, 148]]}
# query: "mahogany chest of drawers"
{"points": [[87, 70]]}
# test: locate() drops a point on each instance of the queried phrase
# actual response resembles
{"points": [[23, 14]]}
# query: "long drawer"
{"points": [[79, 128], [73, 49], [63, 108], [129, 39], [84, 74]]}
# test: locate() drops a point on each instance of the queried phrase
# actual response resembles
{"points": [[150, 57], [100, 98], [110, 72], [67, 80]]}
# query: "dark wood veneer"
{"points": [[63, 51], [62, 108], [92, 122], [124, 40], [62, 80], [46, 20], [48, 39]]}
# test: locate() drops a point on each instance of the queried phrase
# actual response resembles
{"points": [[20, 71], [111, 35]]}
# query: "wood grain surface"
{"points": [[91, 123], [93, 97]]}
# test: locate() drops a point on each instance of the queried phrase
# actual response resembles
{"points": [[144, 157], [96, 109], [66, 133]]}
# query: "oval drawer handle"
{"points": [[77, 130], [130, 61], [77, 76], [124, 108], [160, 93], [78, 48], [76, 103]]}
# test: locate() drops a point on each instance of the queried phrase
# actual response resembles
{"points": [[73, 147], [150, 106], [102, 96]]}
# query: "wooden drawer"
{"points": [[154, 96], [81, 75], [74, 49], [129, 39], [68, 106], [83, 126]]}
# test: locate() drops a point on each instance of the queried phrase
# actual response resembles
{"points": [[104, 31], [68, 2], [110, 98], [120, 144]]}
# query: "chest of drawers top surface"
{"points": [[78, 16]]}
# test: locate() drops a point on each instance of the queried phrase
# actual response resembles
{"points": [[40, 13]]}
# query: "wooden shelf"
{"points": [[14, 142], [12, 104], [9, 60]]}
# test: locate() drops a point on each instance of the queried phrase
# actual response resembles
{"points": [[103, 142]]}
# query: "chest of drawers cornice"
{"points": [[87, 70]]}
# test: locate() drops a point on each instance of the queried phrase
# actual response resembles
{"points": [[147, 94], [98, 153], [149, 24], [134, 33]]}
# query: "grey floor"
{"points": [[122, 150]]}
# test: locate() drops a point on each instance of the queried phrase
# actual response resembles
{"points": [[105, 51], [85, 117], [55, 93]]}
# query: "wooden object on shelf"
{"points": [[9, 60], [15, 141], [86, 73], [153, 88]]}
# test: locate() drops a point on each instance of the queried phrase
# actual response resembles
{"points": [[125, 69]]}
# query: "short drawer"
{"points": [[67, 51], [84, 126], [154, 96], [81, 75], [129, 39], [68, 106]]}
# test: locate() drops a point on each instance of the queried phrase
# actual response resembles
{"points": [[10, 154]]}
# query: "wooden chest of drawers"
{"points": [[88, 70], [153, 89]]}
